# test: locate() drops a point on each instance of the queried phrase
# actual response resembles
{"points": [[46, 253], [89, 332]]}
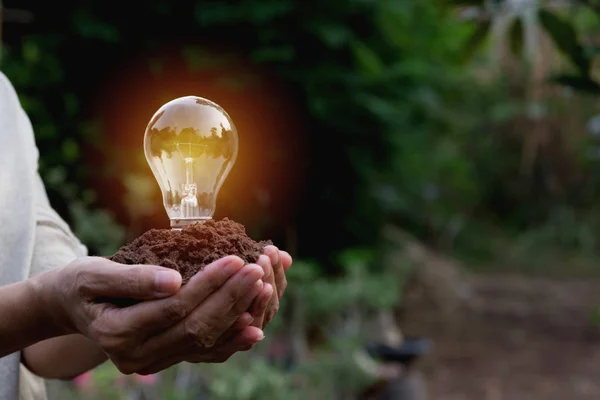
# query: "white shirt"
{"points": [[33, 237]]}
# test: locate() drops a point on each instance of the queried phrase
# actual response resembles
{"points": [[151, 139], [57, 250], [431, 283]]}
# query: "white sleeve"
{"points": [[55, 244]]}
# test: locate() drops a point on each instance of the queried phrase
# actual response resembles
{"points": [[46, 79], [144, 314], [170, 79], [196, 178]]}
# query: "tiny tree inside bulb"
{"points": [[191, 145]]}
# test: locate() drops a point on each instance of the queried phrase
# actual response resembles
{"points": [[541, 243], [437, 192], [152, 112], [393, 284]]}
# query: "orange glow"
{"points": [[268, 172]]}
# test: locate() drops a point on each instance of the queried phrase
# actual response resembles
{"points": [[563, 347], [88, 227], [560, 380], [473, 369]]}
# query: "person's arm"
{"points": [[23, 319], [61, 357]]}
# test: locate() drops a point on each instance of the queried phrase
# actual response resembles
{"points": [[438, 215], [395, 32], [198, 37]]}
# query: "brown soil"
{"points": [[191, 249]]}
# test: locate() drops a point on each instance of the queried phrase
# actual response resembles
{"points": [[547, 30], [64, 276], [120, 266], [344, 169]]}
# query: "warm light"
{"points": [[191, 145]]}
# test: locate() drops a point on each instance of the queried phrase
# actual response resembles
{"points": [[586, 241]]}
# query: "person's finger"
{"points": [[247, 337], [244, 340], [153, 316], [278, 270], [258, 310], [102, 278], [226, 317], [265, 262], [177, 356], [286, 259], [243, 321], [213, 316]]}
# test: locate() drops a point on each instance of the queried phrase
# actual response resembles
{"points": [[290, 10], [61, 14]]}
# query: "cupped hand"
{"points": [[205, 320], [247, 330], [274, 263]]}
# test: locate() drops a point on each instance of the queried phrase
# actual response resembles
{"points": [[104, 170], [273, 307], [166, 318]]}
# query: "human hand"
{"points": [[208, 313], [274, 263], [248, 329], [240, 336]]}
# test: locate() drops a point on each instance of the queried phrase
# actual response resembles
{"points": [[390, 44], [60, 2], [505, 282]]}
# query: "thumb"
{"points": [[105, 278]]}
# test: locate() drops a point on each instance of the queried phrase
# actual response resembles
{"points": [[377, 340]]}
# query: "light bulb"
{"points": [[191, 145]]}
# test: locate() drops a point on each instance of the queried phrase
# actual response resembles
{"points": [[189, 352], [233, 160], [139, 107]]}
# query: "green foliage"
{"points": [[477, 38], [244, 377], [561, 30], [255, 378], [359, 287], [386, 95], [564, 37], [98, 227]]}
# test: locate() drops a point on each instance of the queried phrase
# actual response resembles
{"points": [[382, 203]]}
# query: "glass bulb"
{"points": [[191, 145]]}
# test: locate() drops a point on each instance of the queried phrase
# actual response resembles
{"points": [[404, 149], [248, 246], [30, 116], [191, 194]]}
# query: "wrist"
{"points": [[51, 306]]}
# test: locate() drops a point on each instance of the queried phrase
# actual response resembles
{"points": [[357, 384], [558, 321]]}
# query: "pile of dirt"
{"points": [[191, 249]]}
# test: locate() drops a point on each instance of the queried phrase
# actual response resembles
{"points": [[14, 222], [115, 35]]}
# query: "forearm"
{"points": [[23, 317], [63, 357]]}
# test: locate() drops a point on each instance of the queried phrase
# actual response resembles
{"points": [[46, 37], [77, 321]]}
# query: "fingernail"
{"points": [[261, 337], [259, 285], [264, 258], [251, 277], [231, 268], [269, 288], [274, 255], [248, 319], [167, 282]]}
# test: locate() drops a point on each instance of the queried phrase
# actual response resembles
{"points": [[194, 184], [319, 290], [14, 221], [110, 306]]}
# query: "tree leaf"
{"points": [[476, 39], [516, 37], [368, 61], [565, 38], [579, 83], [93, 27]]}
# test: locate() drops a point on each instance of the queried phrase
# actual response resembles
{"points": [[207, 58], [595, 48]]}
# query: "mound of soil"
{"points": [[191, 249]]}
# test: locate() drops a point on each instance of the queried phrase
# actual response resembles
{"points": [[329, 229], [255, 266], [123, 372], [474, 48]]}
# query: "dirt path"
{"points": [[526, 339]]}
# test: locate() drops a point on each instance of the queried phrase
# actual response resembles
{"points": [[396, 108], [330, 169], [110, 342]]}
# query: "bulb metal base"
{"points": [[180, 223]]}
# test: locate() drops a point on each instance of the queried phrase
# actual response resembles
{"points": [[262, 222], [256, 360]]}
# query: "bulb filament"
{"points": [[189, 201]]}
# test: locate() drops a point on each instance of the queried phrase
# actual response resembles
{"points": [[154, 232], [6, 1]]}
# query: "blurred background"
{"points": [[433, 167]]}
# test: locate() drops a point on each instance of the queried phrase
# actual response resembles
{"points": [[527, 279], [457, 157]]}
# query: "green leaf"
{"points": [[91, 27], [578, 83], [516, 37], [304, 271], [333, 35], [476, 39], [565, 38], [355, 256], [31, 52], [368, 61], [70, 150]]}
